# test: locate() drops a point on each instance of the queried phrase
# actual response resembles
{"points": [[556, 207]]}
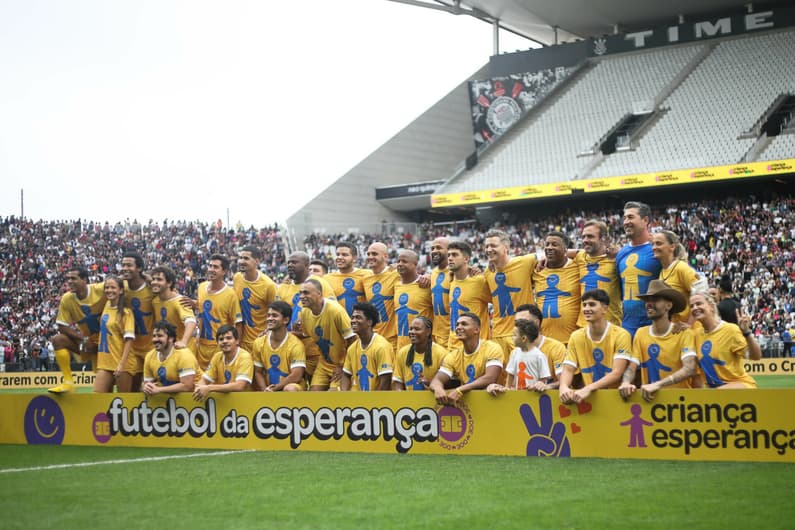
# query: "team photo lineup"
{"points": [[570, 320]]}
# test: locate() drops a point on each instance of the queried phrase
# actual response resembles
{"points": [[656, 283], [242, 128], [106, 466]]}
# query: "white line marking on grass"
{"points": [[125, 461]]}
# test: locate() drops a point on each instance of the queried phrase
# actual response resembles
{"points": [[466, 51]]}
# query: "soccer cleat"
{"points": [[61, 389]]}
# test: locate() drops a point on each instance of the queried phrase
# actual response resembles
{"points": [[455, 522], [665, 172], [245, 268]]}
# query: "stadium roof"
{"points": [[579, 19]]}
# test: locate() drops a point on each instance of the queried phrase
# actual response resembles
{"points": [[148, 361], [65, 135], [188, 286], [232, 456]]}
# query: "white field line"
{"points": [[125, 461]]}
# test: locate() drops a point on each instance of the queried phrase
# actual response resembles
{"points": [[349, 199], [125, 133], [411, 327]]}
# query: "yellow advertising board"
{"points": [[771, 366], [740, 425], [642, 180], [28, 380]]}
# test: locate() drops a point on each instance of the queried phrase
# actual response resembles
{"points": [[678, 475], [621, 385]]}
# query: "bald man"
{"points": [[379, 290], [440, 291], [411, 299]]}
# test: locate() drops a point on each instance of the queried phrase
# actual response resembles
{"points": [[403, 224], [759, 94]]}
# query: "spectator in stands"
{"points": [[728, 305]]}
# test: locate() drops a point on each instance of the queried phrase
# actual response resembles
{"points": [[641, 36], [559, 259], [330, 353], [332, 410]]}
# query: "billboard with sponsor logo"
{"points": [[642, 180], [740, 425]]}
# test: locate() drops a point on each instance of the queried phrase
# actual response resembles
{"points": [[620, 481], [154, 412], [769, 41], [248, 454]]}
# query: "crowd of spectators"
{"points": [[747, 239], [34, 256]]}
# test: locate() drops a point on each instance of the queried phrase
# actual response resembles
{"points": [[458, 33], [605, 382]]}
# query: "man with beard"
{"points": [[557, 289], [440, 291], [468, 293], [167, 368], [289, 292], [598, 268], [230, 370], [255, 291], [666, 357]]}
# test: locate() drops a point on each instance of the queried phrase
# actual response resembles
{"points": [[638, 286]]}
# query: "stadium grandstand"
{"points": [[687, 106]]}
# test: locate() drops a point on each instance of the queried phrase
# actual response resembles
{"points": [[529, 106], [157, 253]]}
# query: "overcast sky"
{"points": [[181, 110]]}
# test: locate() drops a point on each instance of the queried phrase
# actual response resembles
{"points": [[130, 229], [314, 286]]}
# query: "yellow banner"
{"points": [[642, 180], [779, 366], [741, 425], [30, 380]]}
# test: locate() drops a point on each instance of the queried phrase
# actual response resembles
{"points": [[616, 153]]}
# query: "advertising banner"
{"points": [[739, 425], [642, 180]]}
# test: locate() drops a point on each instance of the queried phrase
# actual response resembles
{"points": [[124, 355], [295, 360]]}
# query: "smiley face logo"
{"points": [[44, 422]]}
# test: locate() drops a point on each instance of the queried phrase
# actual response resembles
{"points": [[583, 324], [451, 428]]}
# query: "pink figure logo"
{"points": [[637, 437]]}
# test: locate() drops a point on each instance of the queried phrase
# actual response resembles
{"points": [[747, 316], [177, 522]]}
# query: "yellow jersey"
{"points": [[510, 287], [411, 301], [594, 357], [557, 293], [366, 364], [661, 355], [466, 367], [600, 272], [413, 372]]}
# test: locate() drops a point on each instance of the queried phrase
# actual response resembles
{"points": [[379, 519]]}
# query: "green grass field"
{"points": [[335, 490], [79, 487]]}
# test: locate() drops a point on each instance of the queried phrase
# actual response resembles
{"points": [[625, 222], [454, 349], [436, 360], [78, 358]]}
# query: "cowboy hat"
{"points": [[663, 290]]}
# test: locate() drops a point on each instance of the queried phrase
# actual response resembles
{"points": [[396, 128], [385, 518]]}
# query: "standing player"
{"points": [[327, 324], [666, 358], [474, 365], [298, 272], [440, 291], [676, 272], [509, 280], [416, 364], [116, 335], [167, 368], [368, 363], [139, 298], [255, 291], [218, 306], [468, 294], [167, 306], [411, 300], [78, 324], [279, 356], [347, 279], [379, 290], [637, 266], [601, 351], [230, 370], [557, 289], [318, 267], [598, 269]]}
